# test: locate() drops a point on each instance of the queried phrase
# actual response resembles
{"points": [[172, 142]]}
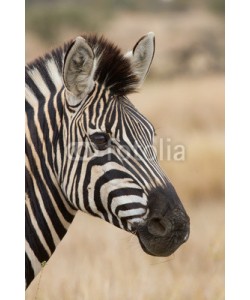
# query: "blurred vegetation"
{"points": [[217, 6], [46, 18]]}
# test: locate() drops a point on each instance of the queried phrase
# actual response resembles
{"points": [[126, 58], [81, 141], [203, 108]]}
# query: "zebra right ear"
{"points": [[78, 68], [142, 55]]}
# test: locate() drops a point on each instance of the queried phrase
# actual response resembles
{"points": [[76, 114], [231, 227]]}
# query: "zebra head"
{"points": [[110, 169]]}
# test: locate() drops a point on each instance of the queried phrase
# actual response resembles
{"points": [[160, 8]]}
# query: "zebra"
{"points": [[88, 148]]}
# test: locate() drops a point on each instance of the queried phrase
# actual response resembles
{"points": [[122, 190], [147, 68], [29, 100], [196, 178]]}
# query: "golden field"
{"points": [[95, 260]]}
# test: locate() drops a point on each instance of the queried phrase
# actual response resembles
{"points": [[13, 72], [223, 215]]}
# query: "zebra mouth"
{"points": [[163, 235], [164, 247]]}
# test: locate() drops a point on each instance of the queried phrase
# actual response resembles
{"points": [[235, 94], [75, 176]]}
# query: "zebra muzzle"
{"points": [[161, 235], [167, 225]]}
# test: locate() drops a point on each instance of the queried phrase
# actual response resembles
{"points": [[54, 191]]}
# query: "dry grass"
{"points": [[97, 261]]}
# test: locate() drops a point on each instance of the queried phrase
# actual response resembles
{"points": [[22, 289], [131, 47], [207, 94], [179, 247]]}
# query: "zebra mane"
{"points": [[113, 69]]}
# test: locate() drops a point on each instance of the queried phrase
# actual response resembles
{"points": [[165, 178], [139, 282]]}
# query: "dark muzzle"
{"points": [[167, 225]]}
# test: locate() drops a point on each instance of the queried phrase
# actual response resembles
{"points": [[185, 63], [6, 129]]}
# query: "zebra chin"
{"points": [[167, 225]]}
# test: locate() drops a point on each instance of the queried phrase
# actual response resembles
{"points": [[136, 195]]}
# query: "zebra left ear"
{"points": [[78, 69], [142, 55]]}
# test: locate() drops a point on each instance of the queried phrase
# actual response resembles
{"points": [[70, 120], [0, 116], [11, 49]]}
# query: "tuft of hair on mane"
{"points": [[113, 69]]}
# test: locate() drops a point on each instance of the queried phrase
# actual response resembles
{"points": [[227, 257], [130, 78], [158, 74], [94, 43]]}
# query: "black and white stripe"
{"points": [[72, 94]]}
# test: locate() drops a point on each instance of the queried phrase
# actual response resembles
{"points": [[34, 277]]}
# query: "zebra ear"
{"points": [[142, 55], [78, 68]]}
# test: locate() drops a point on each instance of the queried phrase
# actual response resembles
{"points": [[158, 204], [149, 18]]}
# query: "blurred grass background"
{"points": [[183, 97]]}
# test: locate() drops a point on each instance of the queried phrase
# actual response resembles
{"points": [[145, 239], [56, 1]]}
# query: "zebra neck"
{"points": [[49, 214]]}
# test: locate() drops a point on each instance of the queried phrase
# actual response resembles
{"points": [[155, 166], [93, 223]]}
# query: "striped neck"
{"points": [[48, 213]]}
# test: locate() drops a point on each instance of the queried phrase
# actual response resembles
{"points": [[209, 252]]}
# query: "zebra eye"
{"points": [[100, 139]]}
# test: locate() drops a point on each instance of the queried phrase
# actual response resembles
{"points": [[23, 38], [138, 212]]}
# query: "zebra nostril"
{"points": [[159, 227]]}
